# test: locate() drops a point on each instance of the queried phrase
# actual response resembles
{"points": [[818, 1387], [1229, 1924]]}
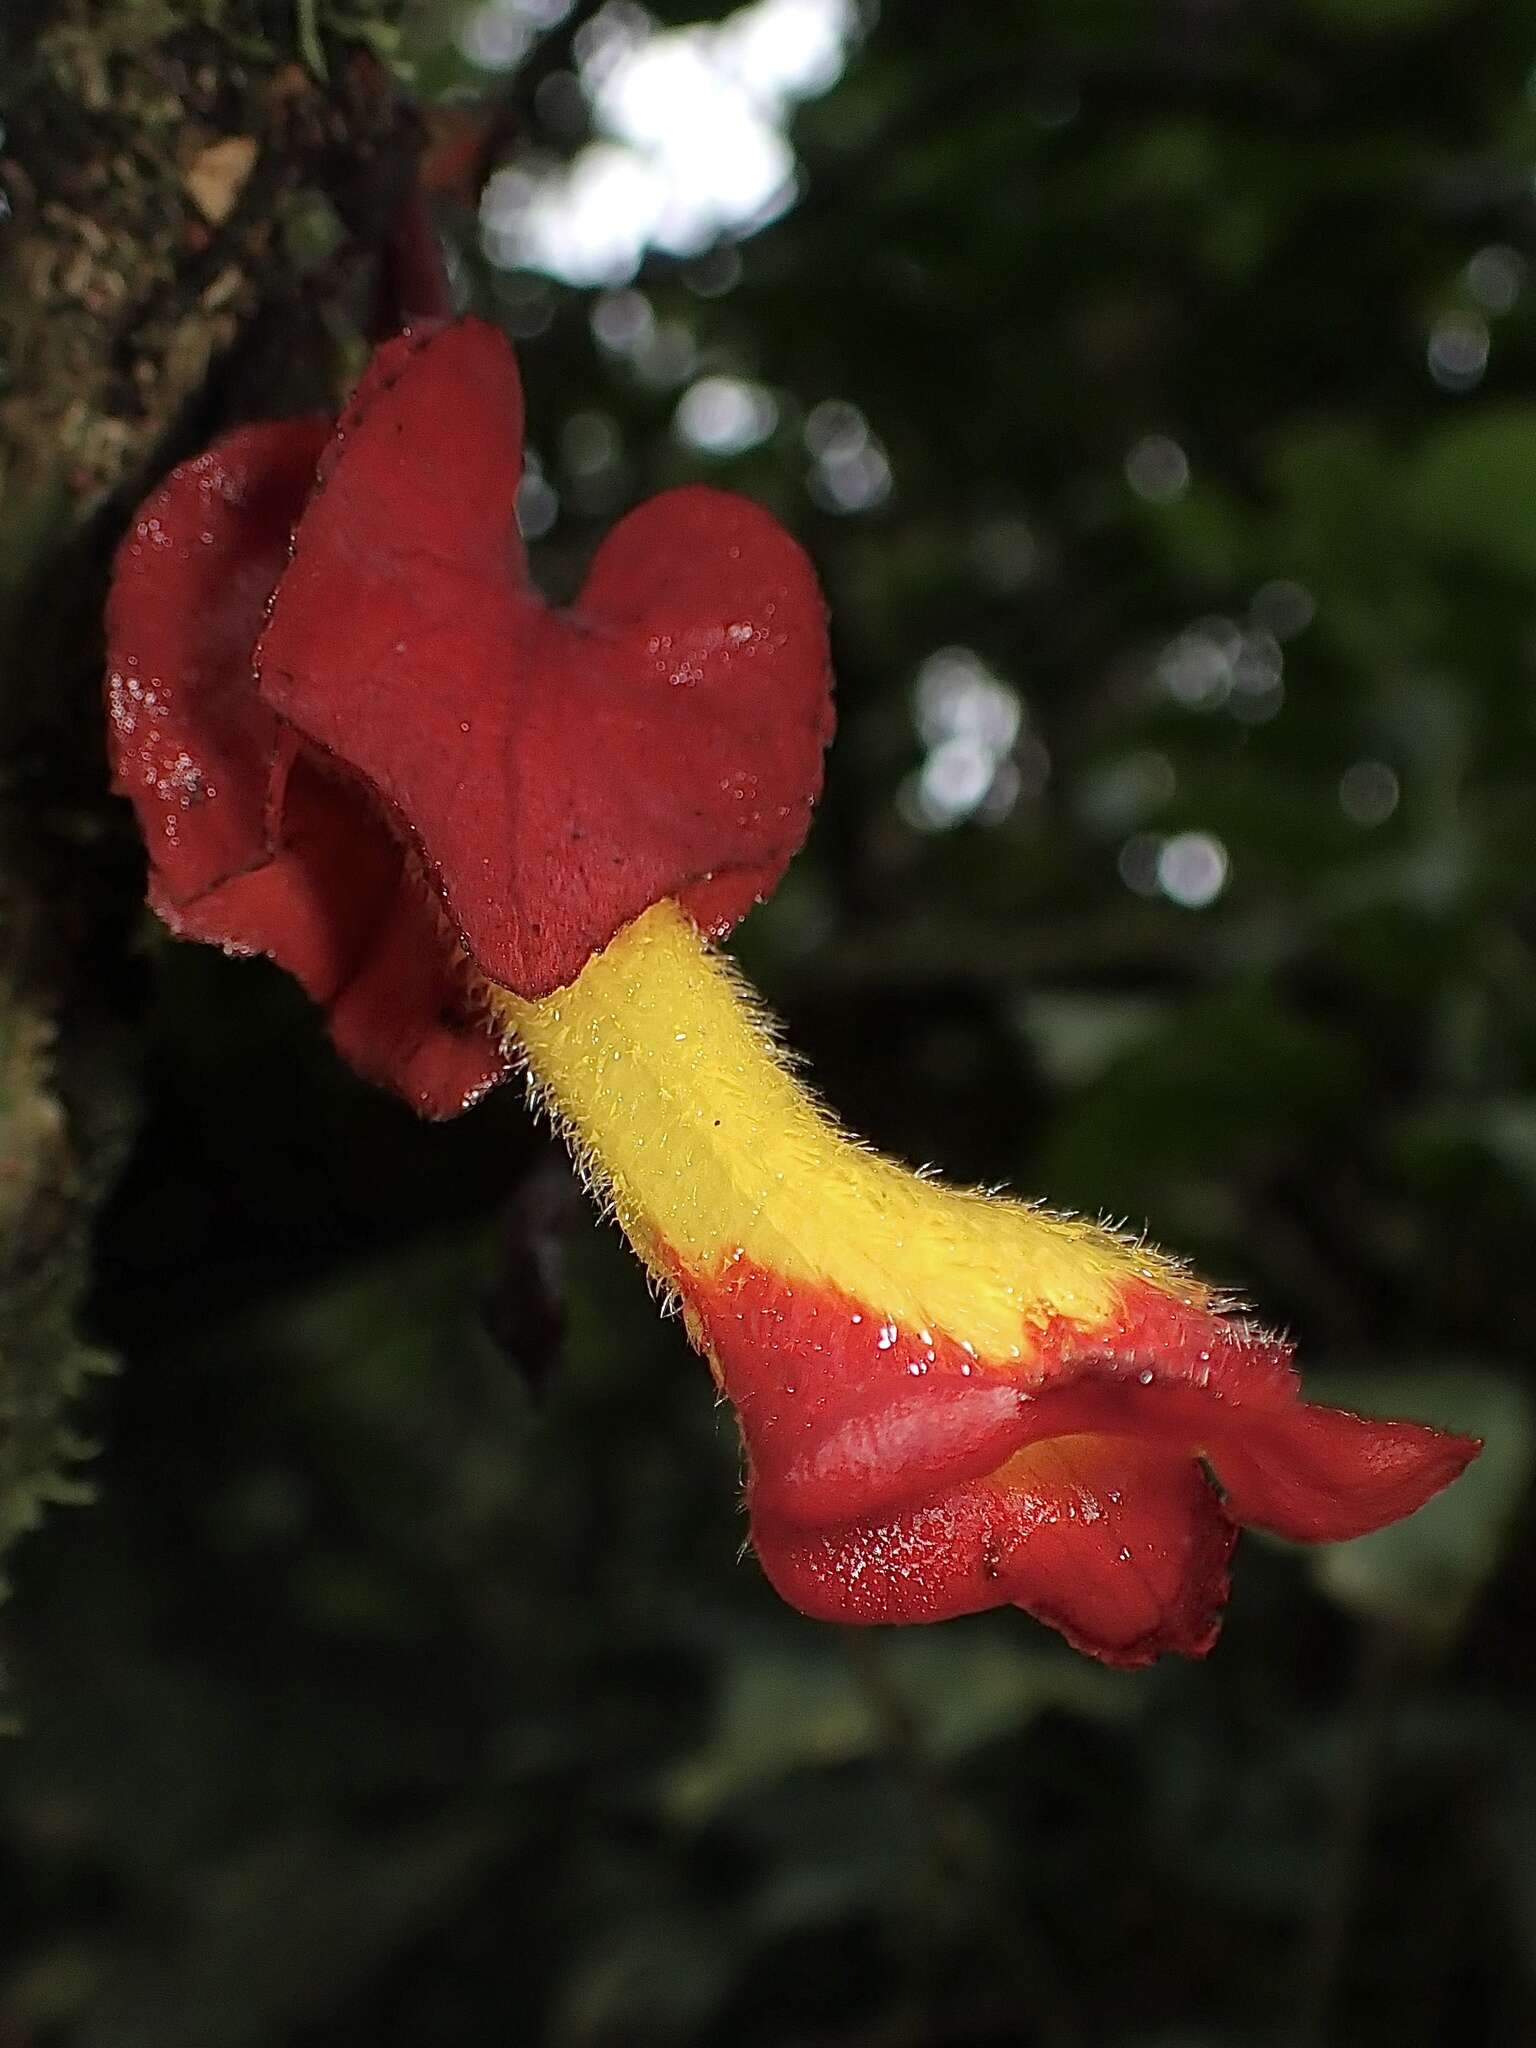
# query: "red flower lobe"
{"points": [[894, 1477], [560, 772], [256, 844]]}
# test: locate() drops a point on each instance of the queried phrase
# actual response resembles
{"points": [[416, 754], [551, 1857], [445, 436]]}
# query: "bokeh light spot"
{"points": [[1283, 607], [1192, 869], [622, 322], [1368, 792], [1196, 668], [691, 146], [1138, 860], [1157, 469], [969, 719], [958, 697], [1495, 276], [538, 502], [725, 415], [1458, 351]]}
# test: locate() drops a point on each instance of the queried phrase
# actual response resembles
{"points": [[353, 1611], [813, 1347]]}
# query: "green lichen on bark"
{"points": [[45, 1183], [193, 209]]}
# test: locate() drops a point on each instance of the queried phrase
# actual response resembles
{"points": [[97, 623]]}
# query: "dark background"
{"points": [[405, 1684]]}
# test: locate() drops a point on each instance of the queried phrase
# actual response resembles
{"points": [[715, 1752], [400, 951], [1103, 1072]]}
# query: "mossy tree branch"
{"points": [[191, 220]]}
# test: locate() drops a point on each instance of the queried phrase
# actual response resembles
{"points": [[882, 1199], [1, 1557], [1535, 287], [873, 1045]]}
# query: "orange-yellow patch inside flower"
{"points": [[661, 1068]]}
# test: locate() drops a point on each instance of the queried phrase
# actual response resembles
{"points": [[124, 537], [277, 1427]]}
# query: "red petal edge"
{"points": [[190, 740], [894, 1478], [253, 845], [560, 772], [1120, 1545]]}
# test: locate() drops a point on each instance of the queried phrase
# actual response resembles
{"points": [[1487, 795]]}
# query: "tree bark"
{"points": [[191, 226]]}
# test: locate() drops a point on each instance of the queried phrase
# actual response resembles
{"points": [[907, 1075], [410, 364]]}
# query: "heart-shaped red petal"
{"points": [[255, 844], [560, 771]]}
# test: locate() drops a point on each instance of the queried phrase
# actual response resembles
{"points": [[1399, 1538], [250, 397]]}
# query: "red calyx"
{"points": [[255, 843], [388, 764]]}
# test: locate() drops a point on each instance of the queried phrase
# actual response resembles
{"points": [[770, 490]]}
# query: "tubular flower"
{"points": [[478, 831], [949, 1401]]}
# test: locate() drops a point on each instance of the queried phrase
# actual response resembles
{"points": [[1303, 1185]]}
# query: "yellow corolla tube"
{"points": [[668, 1080]]}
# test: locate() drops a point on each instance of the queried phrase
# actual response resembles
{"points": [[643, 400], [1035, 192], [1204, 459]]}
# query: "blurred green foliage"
{"points": [[380, 1702]]}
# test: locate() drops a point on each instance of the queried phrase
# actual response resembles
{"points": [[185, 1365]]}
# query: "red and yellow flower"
{"points": [[480, 831]]}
